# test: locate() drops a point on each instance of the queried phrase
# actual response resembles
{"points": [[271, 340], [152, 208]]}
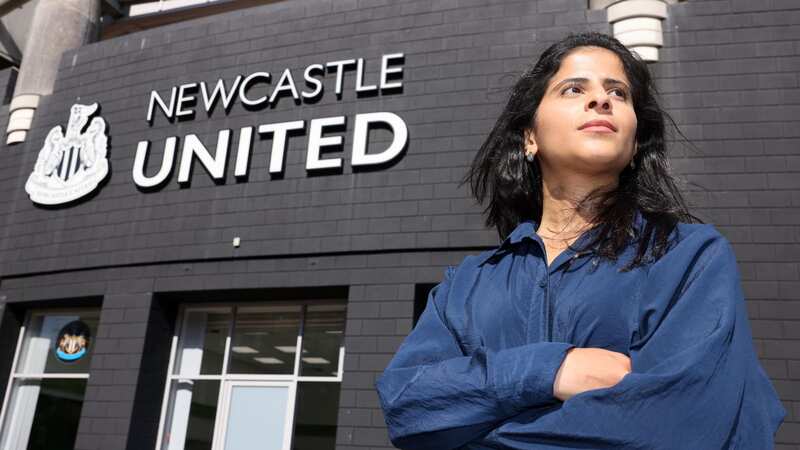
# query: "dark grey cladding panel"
{"points": [[457, 58]]}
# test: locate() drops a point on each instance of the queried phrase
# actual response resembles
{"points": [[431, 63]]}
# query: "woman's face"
{"points": [[557, 138]]}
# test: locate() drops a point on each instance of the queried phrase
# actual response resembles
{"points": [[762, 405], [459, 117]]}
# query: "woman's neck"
{"points": [[562, 219]]}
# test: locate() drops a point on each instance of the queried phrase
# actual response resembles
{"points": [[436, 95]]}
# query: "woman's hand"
{"points": [[584, 369]]}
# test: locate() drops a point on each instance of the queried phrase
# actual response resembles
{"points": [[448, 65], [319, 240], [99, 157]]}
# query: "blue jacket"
{"points": [[477, 370]]}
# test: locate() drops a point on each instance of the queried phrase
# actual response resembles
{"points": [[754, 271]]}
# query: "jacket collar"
{"points": [[527, 229]]}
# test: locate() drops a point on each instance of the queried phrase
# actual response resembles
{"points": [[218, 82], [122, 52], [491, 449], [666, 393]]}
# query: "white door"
{"points": [[255, 411]]}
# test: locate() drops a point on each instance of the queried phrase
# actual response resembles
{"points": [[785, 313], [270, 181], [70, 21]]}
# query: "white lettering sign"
{"points": [[182, 98], [193, 149], [255, 90]]}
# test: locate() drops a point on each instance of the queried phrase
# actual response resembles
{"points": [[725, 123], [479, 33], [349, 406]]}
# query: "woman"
{"points": [[606, 319]]}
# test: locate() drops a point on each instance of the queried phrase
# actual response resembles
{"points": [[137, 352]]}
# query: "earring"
{"points": [[530, 157], [633, 164]]}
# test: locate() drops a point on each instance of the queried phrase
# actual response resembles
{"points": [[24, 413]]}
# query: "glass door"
{"points": [[256, 411], [254, 375]]}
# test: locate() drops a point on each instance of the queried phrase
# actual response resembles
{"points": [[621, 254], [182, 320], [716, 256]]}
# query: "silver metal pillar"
{"points": [[57, 25]]}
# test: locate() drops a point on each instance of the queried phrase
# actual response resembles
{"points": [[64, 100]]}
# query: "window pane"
{"points": [[193, 408], [315, 419], [45, 413], [265, 340], [257, 415], [55, 422], [322, 336], [44, 338], [202, 342]]}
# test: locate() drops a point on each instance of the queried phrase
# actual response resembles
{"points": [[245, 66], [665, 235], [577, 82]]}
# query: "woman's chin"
{"points": [[598, 163], [600, 156]]}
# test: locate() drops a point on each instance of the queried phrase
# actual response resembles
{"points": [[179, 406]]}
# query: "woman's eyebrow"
{"points": [[606, 82]]}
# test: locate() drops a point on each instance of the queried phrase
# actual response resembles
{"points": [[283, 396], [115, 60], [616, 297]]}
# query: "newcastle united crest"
{"points": [[72, 342], [72, 164]]}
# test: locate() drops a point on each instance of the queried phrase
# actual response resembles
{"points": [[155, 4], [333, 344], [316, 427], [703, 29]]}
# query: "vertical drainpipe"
{"points": [[57, 26], [637, 23]]}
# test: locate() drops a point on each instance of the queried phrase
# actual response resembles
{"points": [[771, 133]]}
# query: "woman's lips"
{"points": [[598, 123], [598, 129]]}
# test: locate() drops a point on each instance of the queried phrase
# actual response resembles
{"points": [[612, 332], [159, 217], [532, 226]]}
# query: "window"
{"points": [[254, 373], [141, 15], [42, 405], [421, 294]]}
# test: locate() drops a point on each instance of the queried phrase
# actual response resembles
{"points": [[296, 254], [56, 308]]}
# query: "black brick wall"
{"points": [[727, 74]]}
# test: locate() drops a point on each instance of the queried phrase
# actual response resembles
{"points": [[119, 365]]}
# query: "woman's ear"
{"points": [[530, 141]]}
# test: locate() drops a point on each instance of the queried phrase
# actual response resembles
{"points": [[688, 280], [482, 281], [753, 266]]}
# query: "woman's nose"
{"points": [[601, 99]]}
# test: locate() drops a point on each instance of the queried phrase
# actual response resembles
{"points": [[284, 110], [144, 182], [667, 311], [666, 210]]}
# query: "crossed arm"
{"points": [[695, 382]]}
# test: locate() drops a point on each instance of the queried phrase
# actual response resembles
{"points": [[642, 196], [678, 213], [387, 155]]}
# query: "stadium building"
{"points": [[222, 217]]}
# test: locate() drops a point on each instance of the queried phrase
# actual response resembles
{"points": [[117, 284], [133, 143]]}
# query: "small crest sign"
{"points": [[72, 342], [72, 164]]}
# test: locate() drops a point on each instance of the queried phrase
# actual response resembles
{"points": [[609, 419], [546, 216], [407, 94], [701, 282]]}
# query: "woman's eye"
{"points": [[621, 91]]}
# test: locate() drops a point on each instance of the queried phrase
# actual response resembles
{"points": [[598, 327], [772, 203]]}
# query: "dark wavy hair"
{"points": [[513, 187]]}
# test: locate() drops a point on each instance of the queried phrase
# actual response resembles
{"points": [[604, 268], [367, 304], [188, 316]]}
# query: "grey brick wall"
{"points": [[727, 74], [114, 372]]}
